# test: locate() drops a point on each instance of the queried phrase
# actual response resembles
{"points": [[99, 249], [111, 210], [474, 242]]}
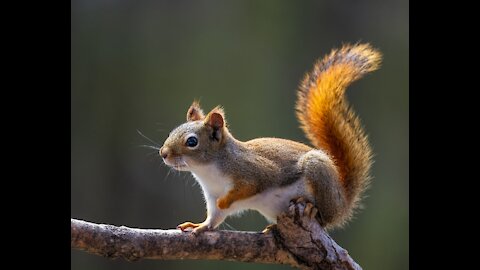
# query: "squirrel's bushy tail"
{"points": [[328, 120]]}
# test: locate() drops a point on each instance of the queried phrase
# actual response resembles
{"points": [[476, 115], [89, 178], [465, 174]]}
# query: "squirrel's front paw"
{"points": [[187, 225], [197, 227], [203, 227]]}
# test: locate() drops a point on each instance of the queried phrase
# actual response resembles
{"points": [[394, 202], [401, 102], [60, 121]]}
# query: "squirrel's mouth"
{"points": [[180, 167], [178, 164]]}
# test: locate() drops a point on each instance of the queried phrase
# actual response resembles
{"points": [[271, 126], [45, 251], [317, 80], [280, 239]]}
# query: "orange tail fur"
{"points": [[329, 122]]}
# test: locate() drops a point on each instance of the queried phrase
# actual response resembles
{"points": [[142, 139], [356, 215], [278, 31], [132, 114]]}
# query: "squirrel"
{"points": [[267, 174]]}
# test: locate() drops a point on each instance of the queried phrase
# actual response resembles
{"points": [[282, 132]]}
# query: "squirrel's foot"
{"points": [[201, 228], [269, 228], [187, 225], [298, 200], [309, 210], [197, 227]]}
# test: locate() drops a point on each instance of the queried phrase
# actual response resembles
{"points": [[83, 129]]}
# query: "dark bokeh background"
{"points": [[137, 65]]}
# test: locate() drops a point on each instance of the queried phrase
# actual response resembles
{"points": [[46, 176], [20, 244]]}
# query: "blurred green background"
{"points": [[137, 65]]}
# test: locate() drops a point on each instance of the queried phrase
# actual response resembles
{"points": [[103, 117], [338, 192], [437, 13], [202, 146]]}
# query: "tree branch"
{"points": [[296, 240]]}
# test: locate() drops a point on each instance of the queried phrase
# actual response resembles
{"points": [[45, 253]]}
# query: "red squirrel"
{"points": [[266, 174]]}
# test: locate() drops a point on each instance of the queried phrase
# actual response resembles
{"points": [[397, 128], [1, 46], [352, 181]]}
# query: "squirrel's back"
{"points": [[329, 122]]}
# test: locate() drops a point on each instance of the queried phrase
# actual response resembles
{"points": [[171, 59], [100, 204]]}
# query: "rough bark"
{"points": [[296, 240]]}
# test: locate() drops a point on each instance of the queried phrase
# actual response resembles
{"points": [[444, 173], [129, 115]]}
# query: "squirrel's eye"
{"points": [[192, 141]]}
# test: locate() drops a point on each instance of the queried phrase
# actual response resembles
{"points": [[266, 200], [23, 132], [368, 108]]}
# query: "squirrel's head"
{"points": [[197, 141]]}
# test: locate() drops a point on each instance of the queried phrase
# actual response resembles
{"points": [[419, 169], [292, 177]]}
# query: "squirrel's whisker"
{"points": [[152, 141]]}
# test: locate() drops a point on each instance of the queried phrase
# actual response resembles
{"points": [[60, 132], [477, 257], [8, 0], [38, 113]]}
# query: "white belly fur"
{"points": [[270, 203], [273, 201]]}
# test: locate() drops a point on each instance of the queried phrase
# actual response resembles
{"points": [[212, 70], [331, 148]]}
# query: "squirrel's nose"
{"points": [[164, 152]]}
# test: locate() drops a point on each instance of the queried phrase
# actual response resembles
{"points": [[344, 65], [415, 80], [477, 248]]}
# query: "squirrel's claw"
{"points": [[268, 228]]}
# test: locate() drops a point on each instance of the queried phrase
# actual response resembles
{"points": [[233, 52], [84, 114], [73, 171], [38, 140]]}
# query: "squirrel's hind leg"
{"points": [[323, 183]]}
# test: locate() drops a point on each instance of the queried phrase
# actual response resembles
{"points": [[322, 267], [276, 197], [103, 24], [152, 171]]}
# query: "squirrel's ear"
{"points": [[215, 118], [195, 113]]}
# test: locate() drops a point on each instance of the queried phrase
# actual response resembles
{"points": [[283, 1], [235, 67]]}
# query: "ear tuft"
{"points": [[195, 113], [216, 118]]}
